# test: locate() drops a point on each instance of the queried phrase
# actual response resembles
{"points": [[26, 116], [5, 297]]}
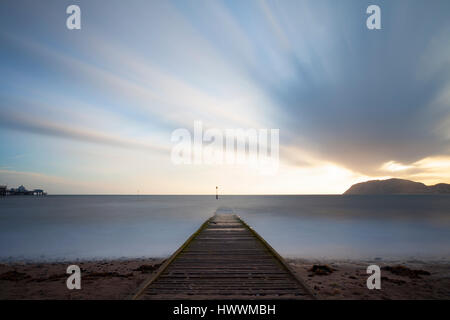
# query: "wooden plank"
{"points": [[168, 262], [279, 258], [224, 259]]}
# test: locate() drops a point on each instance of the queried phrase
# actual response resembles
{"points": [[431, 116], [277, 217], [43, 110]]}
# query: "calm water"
{"points": [[84, 227]]}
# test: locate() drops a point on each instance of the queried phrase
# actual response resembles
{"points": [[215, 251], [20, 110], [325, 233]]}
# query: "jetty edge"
{"points": [[224, 259]]}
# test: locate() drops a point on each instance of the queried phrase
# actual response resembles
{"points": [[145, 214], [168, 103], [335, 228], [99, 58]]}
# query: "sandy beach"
{"points": [[118, 279], [400, 280]]}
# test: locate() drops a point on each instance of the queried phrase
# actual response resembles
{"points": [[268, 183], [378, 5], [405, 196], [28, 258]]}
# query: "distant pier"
{"points": [[20, 191], [224, 259]]}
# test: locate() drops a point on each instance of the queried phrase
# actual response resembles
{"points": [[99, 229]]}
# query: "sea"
{"points": [[71, 228]]}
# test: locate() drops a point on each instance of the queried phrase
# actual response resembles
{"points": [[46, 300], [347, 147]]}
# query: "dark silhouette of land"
{"points": [[397, 186]]}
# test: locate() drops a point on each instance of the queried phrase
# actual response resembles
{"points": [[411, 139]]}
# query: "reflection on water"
{"points": [[71, 227]]}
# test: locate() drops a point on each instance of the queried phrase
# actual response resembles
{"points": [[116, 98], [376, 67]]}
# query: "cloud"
{"points": [[374, 103], [123, 75], [359, 99], [393, 166], [23, 122], [430, 170]]}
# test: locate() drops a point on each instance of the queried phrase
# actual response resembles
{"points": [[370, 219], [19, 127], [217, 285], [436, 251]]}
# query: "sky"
{"points": [[92, 111]]}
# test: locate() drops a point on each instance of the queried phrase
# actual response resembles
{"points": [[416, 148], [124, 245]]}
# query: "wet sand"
{"points": [[400, 280], [118, 279], [109, 279]]}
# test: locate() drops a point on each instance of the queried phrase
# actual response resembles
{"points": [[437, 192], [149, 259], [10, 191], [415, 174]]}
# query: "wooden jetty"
{"points": [[224, 259]]}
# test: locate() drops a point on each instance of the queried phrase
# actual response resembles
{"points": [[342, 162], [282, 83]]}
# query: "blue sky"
{"points": [[92, 110]]}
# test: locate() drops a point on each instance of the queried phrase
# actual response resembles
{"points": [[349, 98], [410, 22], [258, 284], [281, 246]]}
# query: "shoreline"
{"points": [[119, 278]]}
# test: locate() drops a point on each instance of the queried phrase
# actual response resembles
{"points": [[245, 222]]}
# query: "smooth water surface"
{"points": [[97, 227]]}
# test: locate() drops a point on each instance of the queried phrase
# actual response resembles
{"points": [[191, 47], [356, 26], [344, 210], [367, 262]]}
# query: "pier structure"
{"points": [[20, 191], [224, 259]]}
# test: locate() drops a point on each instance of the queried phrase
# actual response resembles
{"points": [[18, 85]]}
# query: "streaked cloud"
{"points": [[430, 170], [350, 103], [19, 121], [393, 166]]}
